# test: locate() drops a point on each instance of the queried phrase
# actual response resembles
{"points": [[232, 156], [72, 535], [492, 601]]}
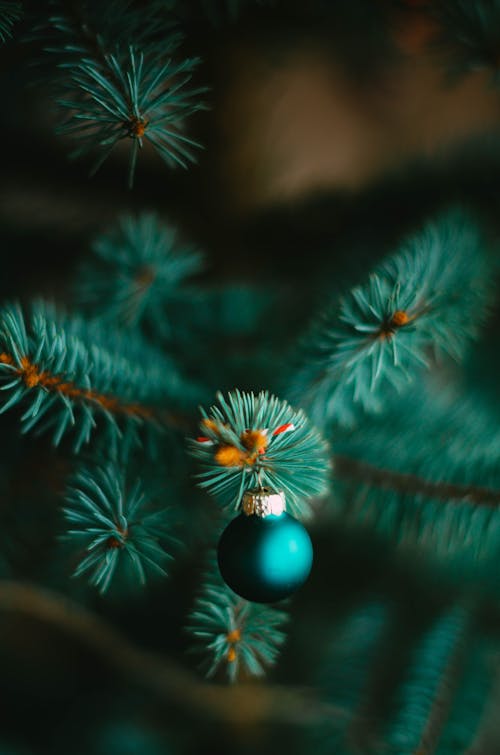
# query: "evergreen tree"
{"points": [[150, 392]]}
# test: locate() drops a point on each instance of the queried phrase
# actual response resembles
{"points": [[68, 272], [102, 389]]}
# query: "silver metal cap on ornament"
{"points": [[263, 502]]}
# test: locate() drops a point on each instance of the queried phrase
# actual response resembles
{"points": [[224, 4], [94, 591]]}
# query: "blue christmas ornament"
{"points": [[264, 554]]}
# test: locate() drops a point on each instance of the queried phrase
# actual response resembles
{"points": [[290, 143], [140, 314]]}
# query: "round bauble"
{"points": [[265, 558]]}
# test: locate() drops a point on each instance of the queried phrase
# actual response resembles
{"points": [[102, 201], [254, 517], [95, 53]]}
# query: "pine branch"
{"points": [[117, 79], [433, 675], [34, 377], [252, 441], [234, 636], [483, 732], [248, 704], [10, 12], [468, 34], [118, 524], [69, 374], [74, 29], [452, 535], [449, 681], [409, 686], [131, 97], [136, 276], [382, 334], [425, 477], [345, 676], [410, 484]]}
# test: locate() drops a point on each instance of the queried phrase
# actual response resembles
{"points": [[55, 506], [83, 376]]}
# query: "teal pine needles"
{"points": [[252, 440], [70, 376], [234, 637], [116, 526], [386, 433], [469, 34], [136, 276], [434, 673], [10, 12], [128, 96], [452, 459], [413, 309], [399, 688]]}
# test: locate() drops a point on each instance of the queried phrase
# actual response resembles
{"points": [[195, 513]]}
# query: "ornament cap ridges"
{"points": [[263, 502]]}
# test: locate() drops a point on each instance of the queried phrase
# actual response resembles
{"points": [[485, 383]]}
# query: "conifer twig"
{"points": [[361, 471], [33, 377]]}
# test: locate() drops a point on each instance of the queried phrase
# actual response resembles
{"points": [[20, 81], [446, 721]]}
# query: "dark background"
{"points": [[330, 134]]}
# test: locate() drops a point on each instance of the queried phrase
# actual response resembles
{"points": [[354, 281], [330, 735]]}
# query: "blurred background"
{"points": [[328, 127], [333, 129]]}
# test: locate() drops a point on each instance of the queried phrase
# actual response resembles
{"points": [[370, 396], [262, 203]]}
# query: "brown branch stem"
{"points": [[400, 482], [246, 703], [33, 377]]}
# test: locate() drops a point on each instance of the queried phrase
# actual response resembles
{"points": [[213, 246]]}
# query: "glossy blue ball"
{"points": [[265, 559]]}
